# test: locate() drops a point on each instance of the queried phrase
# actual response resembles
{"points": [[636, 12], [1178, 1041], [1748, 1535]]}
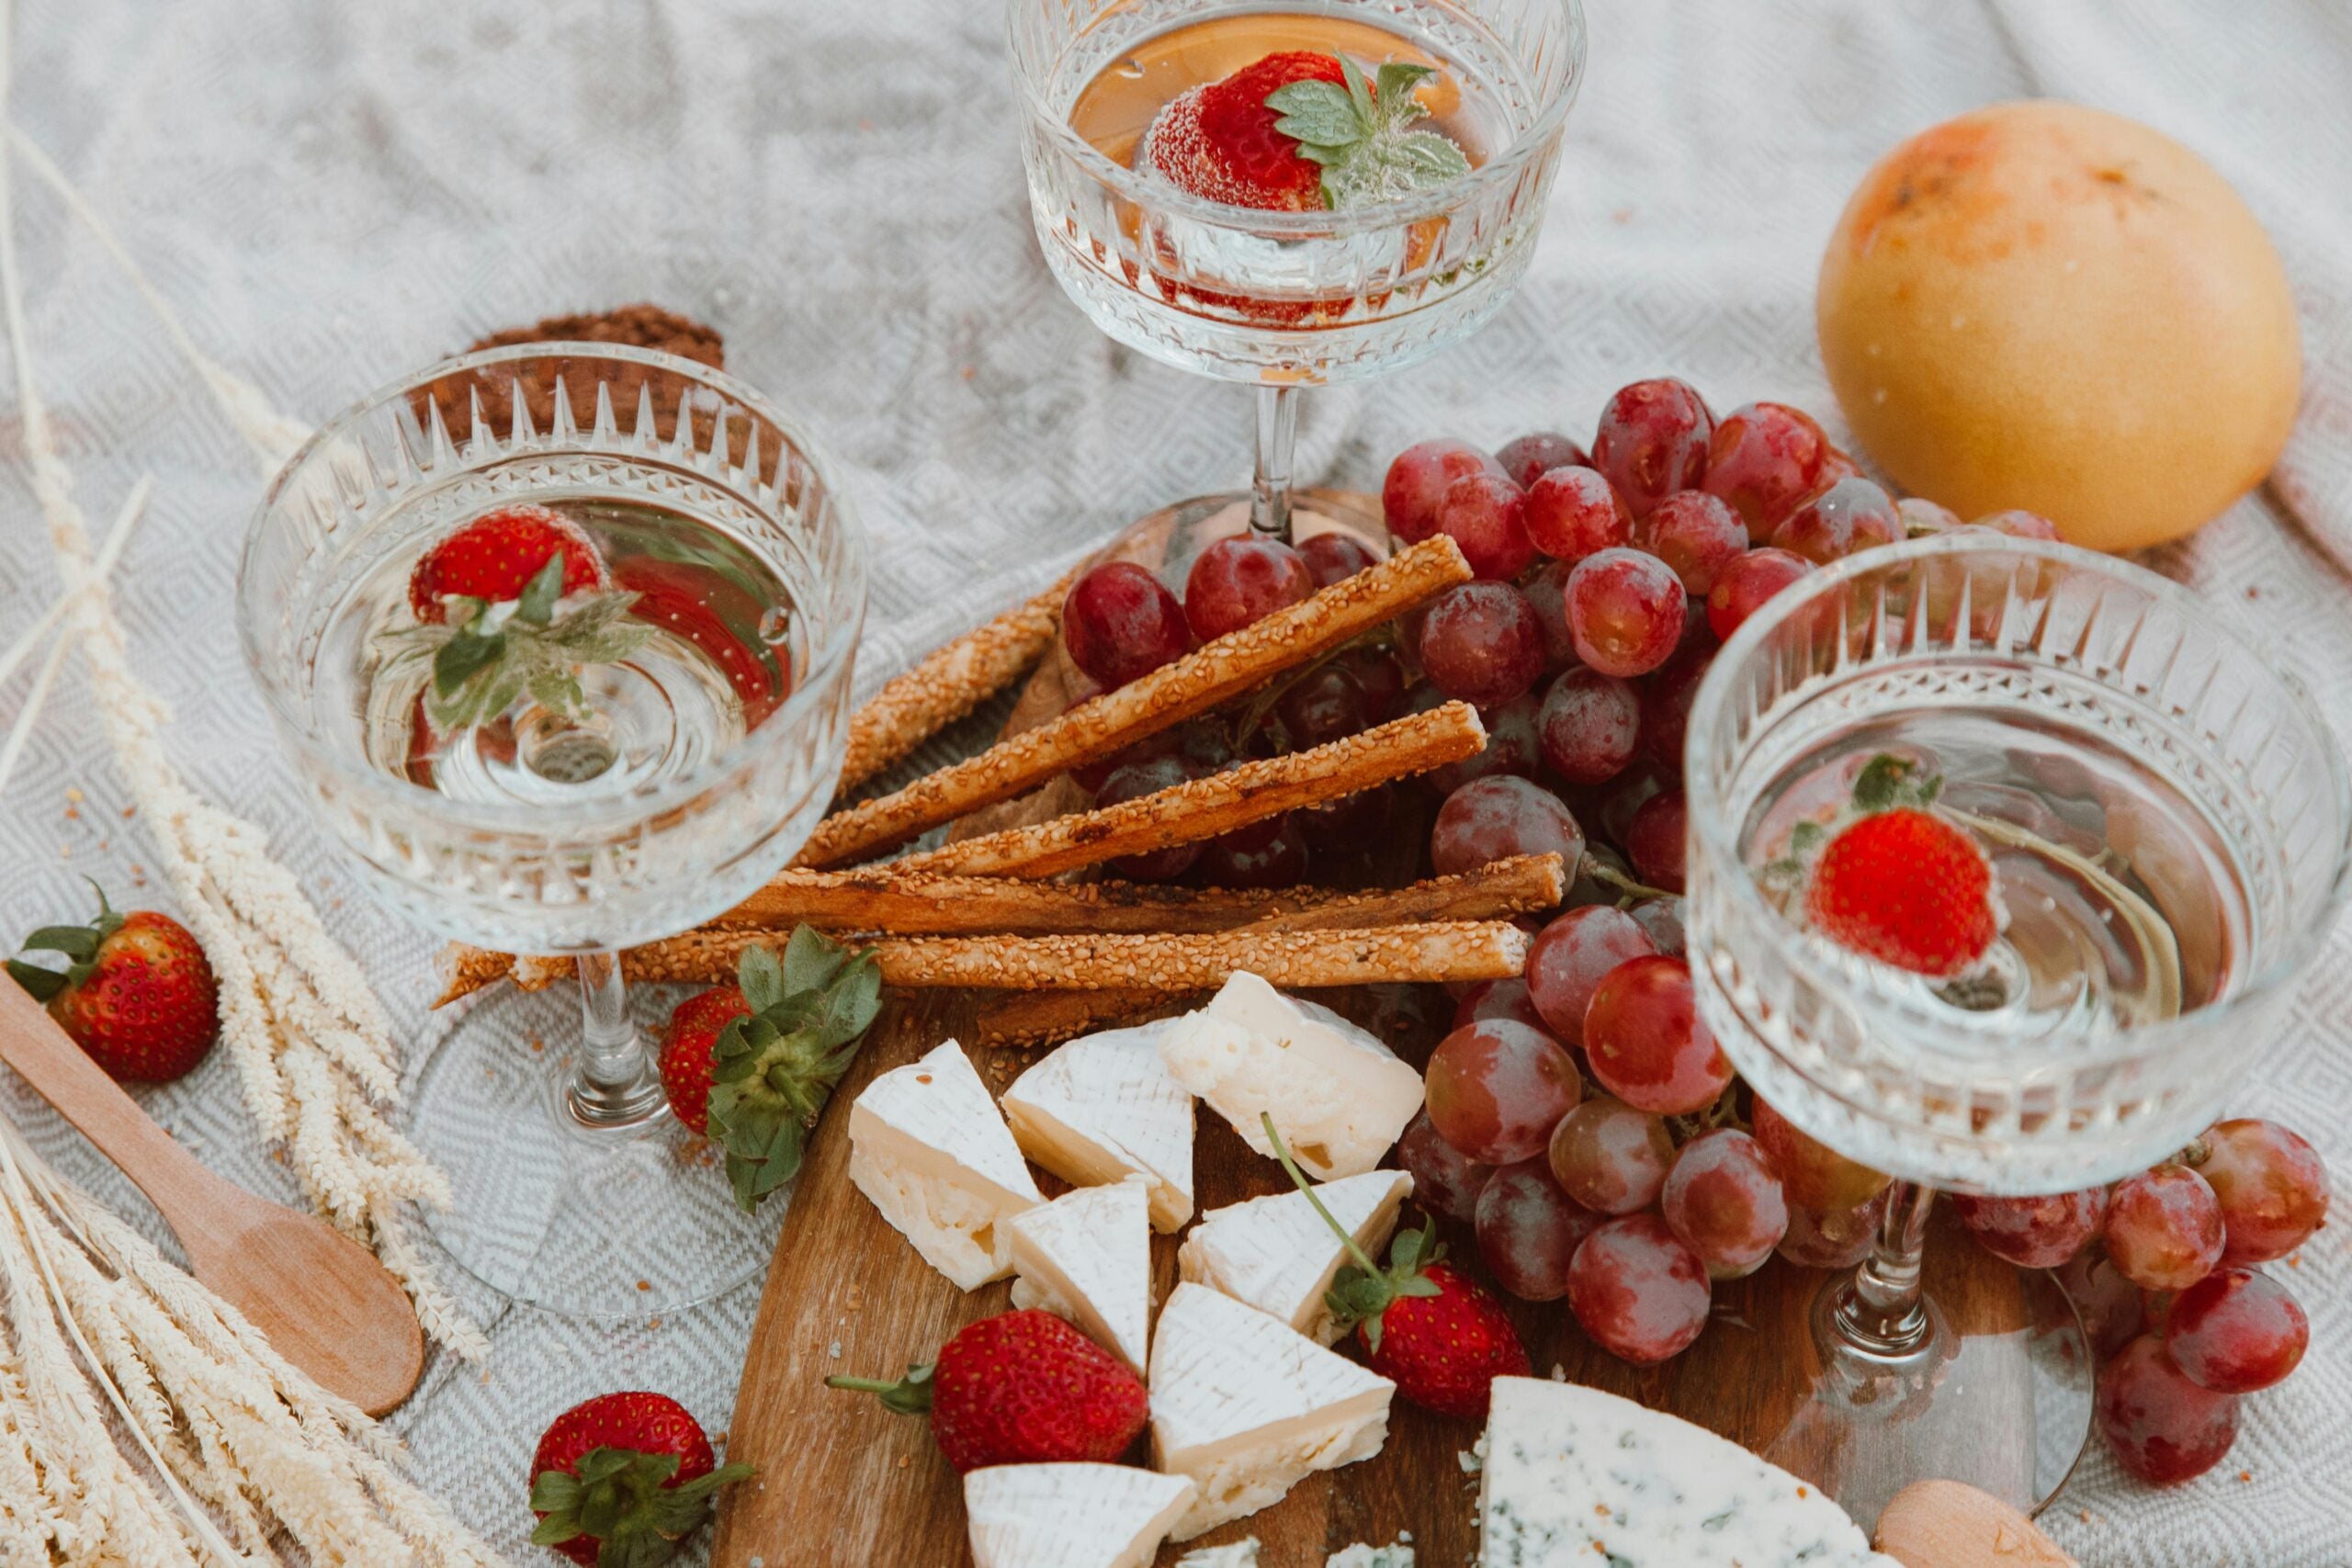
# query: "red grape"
{"points": [[2162, 1428], [1445, 1180], [1201, 742], [1498, 998], [1120, 622], [1723, 1198], [1235, 581], [1652, 440], [1569, 957], [1667, 697], [2236, 1331], [1271, 854], [1654, 840], [1511, 746], [1381, 676], [1746, 583], [1625, 612], [2271, 1185], [2018, 524], [1695, 535], [1852, 514], [1764, 459], [1547, 591], [1417, 482], [1493, 818], [1662, 919], [1572, 513], [1482, 643], [1348, 825], [1833, 1238], [1645, 1042], [1325, 704], [1817, 1176], [2112, 1307], [1528, 1231], [1133, 782], [1921, 517], [1590, 726], [1334, 556], [1611, 1157], [1638, 1291], [1530, 458], [1496, 1088], [1483, 513], [2164, 1228], [2034, 1233]]}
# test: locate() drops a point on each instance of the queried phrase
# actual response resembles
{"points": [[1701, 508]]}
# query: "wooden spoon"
{"points": [[321, 1299], [1942, 1524]]}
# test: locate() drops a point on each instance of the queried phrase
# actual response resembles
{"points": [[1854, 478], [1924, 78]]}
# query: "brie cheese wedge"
{"points": [[1087, 1257], [1338, 1096], [1574, 1476], [1277, 1254], [1070, 1515], [927, 1146], [1248, 1407], [1103, 1107]]}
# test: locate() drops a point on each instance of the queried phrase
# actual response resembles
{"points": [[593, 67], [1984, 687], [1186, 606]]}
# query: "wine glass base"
{"points": [[1169, 539], [615, 1222], [2002, 1403]]}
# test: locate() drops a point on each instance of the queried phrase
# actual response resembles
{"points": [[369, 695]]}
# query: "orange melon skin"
{"points": [[2045, 306]]}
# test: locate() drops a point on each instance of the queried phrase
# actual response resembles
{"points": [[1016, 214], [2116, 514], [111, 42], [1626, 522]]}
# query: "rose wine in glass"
{"points": [[2165, 820]]}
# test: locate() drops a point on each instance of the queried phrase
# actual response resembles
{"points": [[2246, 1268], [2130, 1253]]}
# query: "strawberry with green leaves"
{"points": [[137, 993], [1897, 881], [619, 1480], [1438, 1334], [753, 1064]]}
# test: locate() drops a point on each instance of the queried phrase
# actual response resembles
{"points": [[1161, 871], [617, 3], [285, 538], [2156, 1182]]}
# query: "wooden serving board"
{"points": [[842, 1482]]}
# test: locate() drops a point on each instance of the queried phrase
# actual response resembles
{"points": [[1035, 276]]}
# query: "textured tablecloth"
{"points": [[331, 194]]}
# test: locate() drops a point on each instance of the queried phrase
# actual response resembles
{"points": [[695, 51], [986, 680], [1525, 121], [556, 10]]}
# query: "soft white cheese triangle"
{"points": [[1277, 1254], [927, 1146], [1070, 1515], [1103, 1107], [1248, 1407], [1576, 1476], [1087, 1257], [1338, 1096]]}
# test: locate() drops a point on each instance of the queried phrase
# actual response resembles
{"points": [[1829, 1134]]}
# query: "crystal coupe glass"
{"points": [[698, 766], [1286, 299], [2167, 818]]}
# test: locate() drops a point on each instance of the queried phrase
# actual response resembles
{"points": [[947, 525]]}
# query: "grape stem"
{"points": [[1246, 723], [1299, 1177], [1608, 876]]}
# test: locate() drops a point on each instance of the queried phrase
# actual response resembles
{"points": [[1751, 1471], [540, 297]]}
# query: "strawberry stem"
{"points": [[909, 1395], [1299, 1177]]}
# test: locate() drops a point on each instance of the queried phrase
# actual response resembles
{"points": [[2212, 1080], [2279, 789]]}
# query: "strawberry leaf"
{"points": [[1888, 782], [536, 607], [74, 942], [1359, 90], [40, 983], [760, 977], [1360, 134]]}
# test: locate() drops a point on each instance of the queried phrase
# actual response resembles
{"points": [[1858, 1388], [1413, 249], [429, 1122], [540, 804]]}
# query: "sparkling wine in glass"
{"points": [[1196, 271], [2166, 821], [662, 748]]}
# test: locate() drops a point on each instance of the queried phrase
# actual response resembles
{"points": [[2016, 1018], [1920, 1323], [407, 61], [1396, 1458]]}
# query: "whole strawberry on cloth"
{"points": [[138, 994], [1019, 1388], [617, 1481]]}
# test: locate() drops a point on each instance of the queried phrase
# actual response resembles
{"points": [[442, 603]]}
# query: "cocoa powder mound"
{"points": [[636, 326]]}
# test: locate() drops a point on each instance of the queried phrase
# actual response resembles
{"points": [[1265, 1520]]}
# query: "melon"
{"points": [[2045, 306]]}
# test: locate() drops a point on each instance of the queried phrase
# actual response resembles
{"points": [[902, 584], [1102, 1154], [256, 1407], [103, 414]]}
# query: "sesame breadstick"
{"points": [[1048, 1018]]}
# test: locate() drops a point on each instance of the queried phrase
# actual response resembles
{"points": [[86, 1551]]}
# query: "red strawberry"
{"points": [[495, 557], [139, 994], [1019, 1388], [684, 600], [617, 1481], [1905, 887], [686, 1045], [1219, 140]]}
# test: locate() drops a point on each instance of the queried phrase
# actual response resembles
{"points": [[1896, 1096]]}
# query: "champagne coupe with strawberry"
{"points": [[1290, 193], [559, 637], [2005, 860]]}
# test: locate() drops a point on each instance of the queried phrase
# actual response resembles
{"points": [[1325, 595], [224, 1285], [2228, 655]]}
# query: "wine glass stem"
{"points": [[1880, 1310], [615, 1085], [1277, 433]]}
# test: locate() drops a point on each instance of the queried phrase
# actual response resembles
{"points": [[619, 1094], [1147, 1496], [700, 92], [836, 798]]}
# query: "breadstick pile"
{"points": [[1069, 955]]}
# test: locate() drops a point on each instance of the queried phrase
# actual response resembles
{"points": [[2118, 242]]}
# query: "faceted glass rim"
{"points": [[1537, 141], [810, 689], [1715, 838]]}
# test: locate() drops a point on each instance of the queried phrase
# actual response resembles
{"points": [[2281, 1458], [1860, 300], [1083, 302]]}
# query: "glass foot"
{"points": [[1997, 1394], [1169, 539], [612, 1212]]}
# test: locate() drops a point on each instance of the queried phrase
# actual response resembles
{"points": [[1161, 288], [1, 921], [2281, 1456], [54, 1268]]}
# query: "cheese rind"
{"points": [[1248, 1407], [1337, 1095], [1087, 1257], [1103, 1107], [927, 1146], [1574, 1475], [1276, 1254], [1070, 1515]]}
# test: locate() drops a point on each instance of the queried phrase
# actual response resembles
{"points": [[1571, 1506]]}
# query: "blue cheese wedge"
{"points": [[1574, 1477], [1102, 1108], [1087, 1257], [1248, 1407], [1070, 1515], [927, 1146], [1276, 1254], [1361, 1555]]}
